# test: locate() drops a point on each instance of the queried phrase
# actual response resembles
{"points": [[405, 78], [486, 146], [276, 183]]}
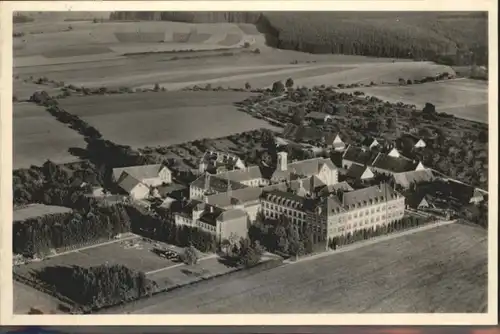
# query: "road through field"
{"points": [[438, 270]]}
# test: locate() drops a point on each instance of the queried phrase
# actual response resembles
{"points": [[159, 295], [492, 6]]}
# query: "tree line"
{"points": [[97, 287], [42, 235], [368, 233]]}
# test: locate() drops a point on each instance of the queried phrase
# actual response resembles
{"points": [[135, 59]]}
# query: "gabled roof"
{"points": [[356, 171], [241, 175], [368, 141], [139, 172], [311, 166], [210, 216], [359, 155], [128, 182], [393, 164], [417, 176], [363, 196]]}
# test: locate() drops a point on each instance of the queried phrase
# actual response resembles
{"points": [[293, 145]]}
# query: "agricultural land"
{"points": [[37, 136], [158, 92], [413, 274]]}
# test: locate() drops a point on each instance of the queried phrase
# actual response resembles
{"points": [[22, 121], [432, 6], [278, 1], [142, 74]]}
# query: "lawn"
{"points": [[163, 118], [135, 254], [37, 136], [26, 297], [443, 269]]}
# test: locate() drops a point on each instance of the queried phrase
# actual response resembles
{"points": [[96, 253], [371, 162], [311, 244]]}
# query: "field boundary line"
{"points": [[93, 246], [371, 242], [178, 265]]}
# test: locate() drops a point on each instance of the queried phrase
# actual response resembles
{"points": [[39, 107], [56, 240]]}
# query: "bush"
{"points": [[190, 256]]}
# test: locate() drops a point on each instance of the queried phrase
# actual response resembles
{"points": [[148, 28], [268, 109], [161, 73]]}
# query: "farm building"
{"points": [[132, 186], [149, 175], [406, 179]]}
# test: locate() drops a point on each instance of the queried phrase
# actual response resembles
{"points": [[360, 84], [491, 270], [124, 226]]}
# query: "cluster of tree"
{"points": [[160, 226], [283, 237], [53, 184], [368, 233], [93, 288], [246, 253], [41, 235]]}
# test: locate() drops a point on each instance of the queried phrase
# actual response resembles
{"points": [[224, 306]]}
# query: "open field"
{"points": [[92, 55], [37, 136], [26, 297], [24, 90], [133, 253], [37, 210], [463, 98], [163, 118], [443, 269]]}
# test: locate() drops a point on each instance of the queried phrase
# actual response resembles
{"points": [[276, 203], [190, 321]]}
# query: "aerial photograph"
{"points": [[250, 162]]}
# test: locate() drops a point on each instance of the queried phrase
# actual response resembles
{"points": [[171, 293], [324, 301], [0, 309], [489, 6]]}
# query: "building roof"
{"points": [[237, 197], [359, 155], [463, 191], [128, 182], [366, 196], [417, 176], [216, 183], [330, 138], [355, 171], [368, 141], [187, 208], [37, 210], [241, 175], [139, 172], [210, 215], [317, 115], [284, 198], [393, 164], [231, 214]]}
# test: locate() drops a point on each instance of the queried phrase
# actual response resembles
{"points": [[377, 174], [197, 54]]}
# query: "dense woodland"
{"points": [[449, 38], [97, 287]]}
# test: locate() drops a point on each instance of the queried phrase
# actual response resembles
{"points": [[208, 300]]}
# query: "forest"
{"points": [[450, 38]]}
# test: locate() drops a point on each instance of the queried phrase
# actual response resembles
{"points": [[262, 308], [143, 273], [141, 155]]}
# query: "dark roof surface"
{"points": [[359, 155], [393, 164]]}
